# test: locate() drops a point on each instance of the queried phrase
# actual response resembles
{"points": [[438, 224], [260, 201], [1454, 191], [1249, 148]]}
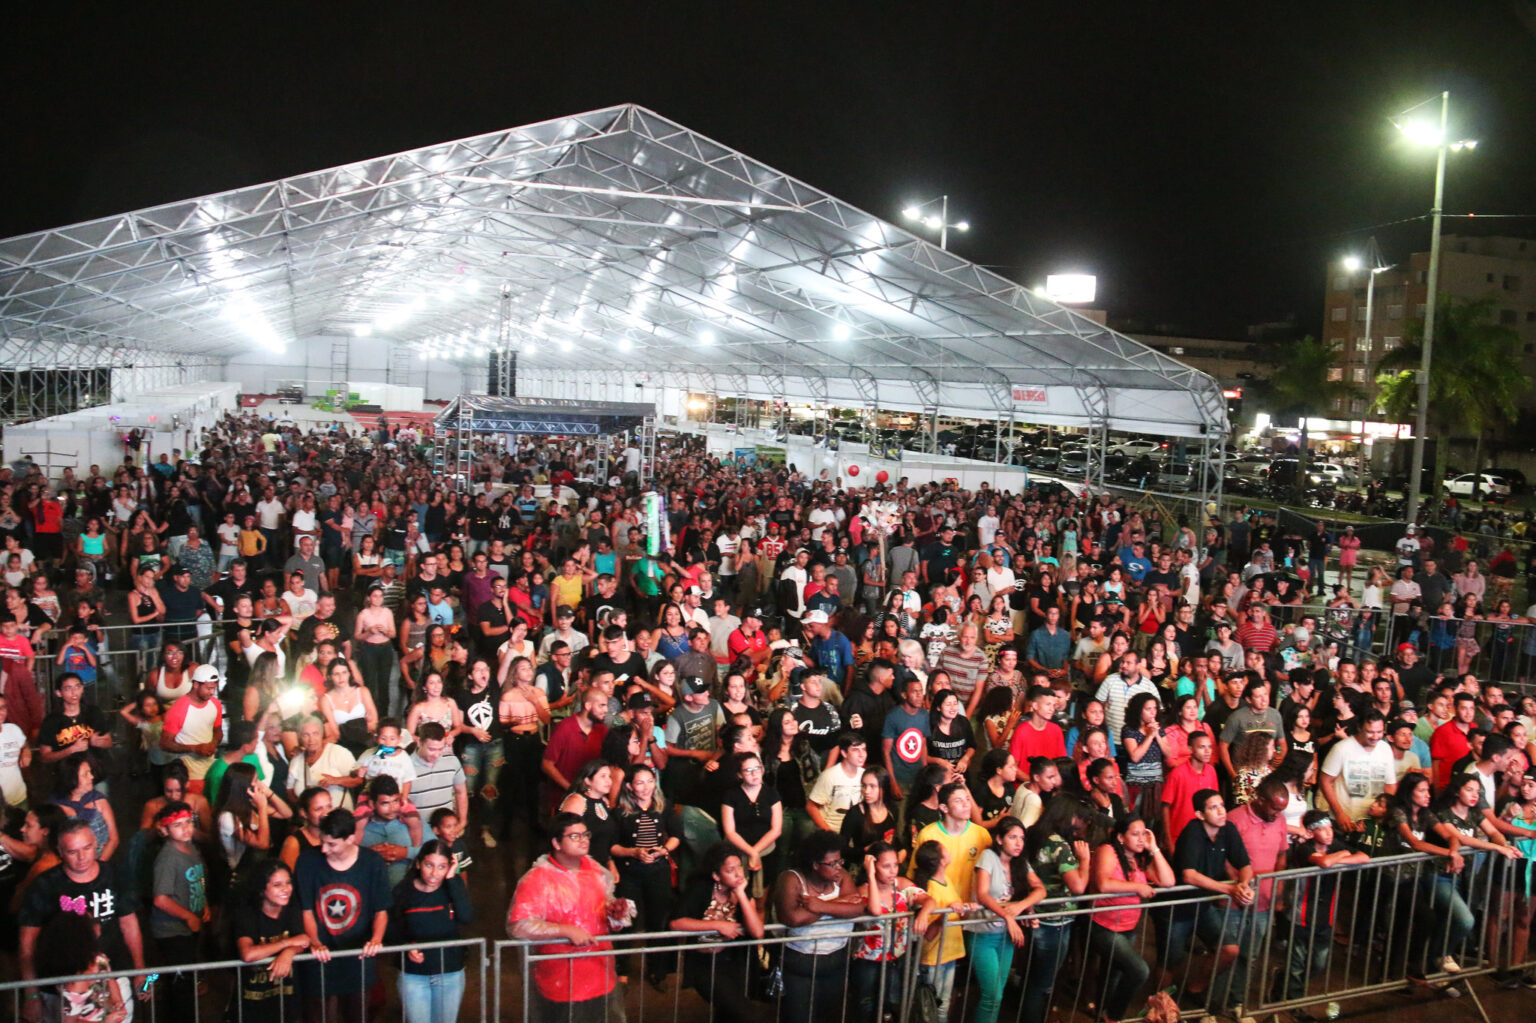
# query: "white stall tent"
{"points": [[169, 418], [389, 397]]}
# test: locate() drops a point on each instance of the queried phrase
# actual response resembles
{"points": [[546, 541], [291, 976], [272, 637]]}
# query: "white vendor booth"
{"points": [[169, 418]]}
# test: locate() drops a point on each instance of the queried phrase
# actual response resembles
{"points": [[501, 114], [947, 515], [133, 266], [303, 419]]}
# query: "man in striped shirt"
{"points": [[1257, 635], [440, 778]]}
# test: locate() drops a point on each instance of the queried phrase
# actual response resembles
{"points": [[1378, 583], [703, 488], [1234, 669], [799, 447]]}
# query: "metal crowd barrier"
{"points": [[1385, 920], [1507, 658], [225, 979]]}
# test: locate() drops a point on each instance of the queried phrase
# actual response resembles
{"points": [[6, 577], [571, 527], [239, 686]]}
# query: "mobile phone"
{"points": [[148, 983]]}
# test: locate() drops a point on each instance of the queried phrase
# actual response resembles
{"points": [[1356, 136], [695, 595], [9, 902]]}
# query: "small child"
{"points": [[938, 921], [15, 756], [384, 831], [76, 656], [146, 716], [180, 903], [447, 826], [1314, 900], [389, 759]]}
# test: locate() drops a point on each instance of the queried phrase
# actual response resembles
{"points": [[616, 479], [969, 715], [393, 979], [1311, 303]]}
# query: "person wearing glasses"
{"points": [[816, 903], [566, 900]]}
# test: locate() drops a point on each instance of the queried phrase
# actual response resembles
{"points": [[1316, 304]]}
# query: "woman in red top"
{"points": [[1130, 862], [48, 525]]}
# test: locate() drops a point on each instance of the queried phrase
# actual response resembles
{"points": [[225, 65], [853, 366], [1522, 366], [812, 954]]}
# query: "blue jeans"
{"points": [[1308, 957], [991, 957], [1125, 971], [1452, 918], [483, 762], [431, 997], [866, 986], [943, 980], [1218, 926], [1047, 949]]}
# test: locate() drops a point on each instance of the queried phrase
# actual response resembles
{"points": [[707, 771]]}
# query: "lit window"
{"points": [[1358, 374], [1389, 343], [1362, 344], [1335, 372]]}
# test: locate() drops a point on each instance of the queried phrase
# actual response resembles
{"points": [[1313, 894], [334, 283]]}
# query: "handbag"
{"points": [[925, 1002]]}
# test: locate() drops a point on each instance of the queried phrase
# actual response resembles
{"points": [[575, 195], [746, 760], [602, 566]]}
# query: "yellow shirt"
{"points": [[964, 848], [252, 543], [949, 945], [565, 591]]}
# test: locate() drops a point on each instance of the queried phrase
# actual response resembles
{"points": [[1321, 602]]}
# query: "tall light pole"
{"points": [[939, 222], [1354, 264], [1420, 132]]}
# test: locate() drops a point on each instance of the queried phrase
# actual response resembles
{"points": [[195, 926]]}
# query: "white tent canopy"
{"points": [[596, 247]]}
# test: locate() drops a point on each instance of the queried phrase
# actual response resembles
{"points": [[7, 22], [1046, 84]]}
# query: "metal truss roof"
{"points": [[611, 241]]}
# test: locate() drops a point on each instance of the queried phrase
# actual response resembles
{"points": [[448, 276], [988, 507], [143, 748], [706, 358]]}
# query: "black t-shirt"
{"points": [[753, 818], [593, 608], [952, 747], [492, 613], [59, 730], [228, 591], [104, 899], [344, 903], [260, 995], [940, 557], [479, 710], [1195, 850], [343, 623], [479, 522], [632, 666], [819, 724]]}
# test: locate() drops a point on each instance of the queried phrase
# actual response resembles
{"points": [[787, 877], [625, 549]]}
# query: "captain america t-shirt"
{"points": [[344, 903]]}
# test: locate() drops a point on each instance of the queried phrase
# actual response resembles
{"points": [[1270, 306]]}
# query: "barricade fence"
{"points": [[1310, 936], [218, 991], [1493, 649]]}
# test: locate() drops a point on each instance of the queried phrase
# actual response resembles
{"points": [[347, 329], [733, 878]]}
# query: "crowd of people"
{"points": [[982, 729]]}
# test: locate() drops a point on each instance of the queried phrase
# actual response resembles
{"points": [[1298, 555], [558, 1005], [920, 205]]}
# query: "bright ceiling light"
{"points": [[707, 337], [565, 345], [1352, 263], [912, 213], [625, 344], [842, 332], [423, 356], [964, 225], [529, 349], [365, 330]]}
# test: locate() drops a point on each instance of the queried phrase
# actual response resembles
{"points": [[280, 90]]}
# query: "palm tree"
{"points": [[1475, 379], [1305, 383]]}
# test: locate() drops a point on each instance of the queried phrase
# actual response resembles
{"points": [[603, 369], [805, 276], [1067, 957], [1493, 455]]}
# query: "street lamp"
{"points": [[1424, 133], [936, 222], [1354, 264]]}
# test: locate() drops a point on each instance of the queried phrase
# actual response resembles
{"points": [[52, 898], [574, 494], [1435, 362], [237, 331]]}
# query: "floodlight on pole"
{"points": [[939, 222], [1420, 131]]}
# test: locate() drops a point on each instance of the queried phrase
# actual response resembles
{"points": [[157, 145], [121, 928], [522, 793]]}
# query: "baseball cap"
{"points": [[692, 685], [754, 612], [694, 591], [1404, 647], [206, 673], [1404, 705], [180, 569], [816, 618], [638, 700], [565, 611]]}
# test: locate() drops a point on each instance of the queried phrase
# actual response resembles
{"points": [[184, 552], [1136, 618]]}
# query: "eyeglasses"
{"points": [[751, 770], [580, 836], [831, 863]]}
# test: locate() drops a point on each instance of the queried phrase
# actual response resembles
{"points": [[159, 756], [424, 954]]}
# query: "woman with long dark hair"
{"points": [[1132, 864], [1002, 874], [791, 767], [717, 902], [872, 819], [1058, 853], [431, 904], [646, 835]]}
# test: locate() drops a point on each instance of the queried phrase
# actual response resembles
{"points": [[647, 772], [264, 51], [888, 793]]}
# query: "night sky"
{"points": [[1203, 159]]}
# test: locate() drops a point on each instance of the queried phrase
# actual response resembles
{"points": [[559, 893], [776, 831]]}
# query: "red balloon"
{"points": [[882, 476], [853, 470]]}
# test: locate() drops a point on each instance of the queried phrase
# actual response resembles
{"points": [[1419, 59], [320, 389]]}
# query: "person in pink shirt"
{"points": [[1261, 823]]}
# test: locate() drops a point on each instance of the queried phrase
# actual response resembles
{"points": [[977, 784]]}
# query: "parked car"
{"points": [[1484, 484], [1176, 476], [1073, 463], [1044, 459], [1138, 447], [1516, 478]]}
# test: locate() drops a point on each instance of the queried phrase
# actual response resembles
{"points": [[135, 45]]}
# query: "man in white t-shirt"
{"points": [[194, 725], [821, 517], [1357, 770], [986, 526], [837, 789]]}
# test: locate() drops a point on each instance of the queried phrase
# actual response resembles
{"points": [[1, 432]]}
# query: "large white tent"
{"points": [[618, 255]]}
